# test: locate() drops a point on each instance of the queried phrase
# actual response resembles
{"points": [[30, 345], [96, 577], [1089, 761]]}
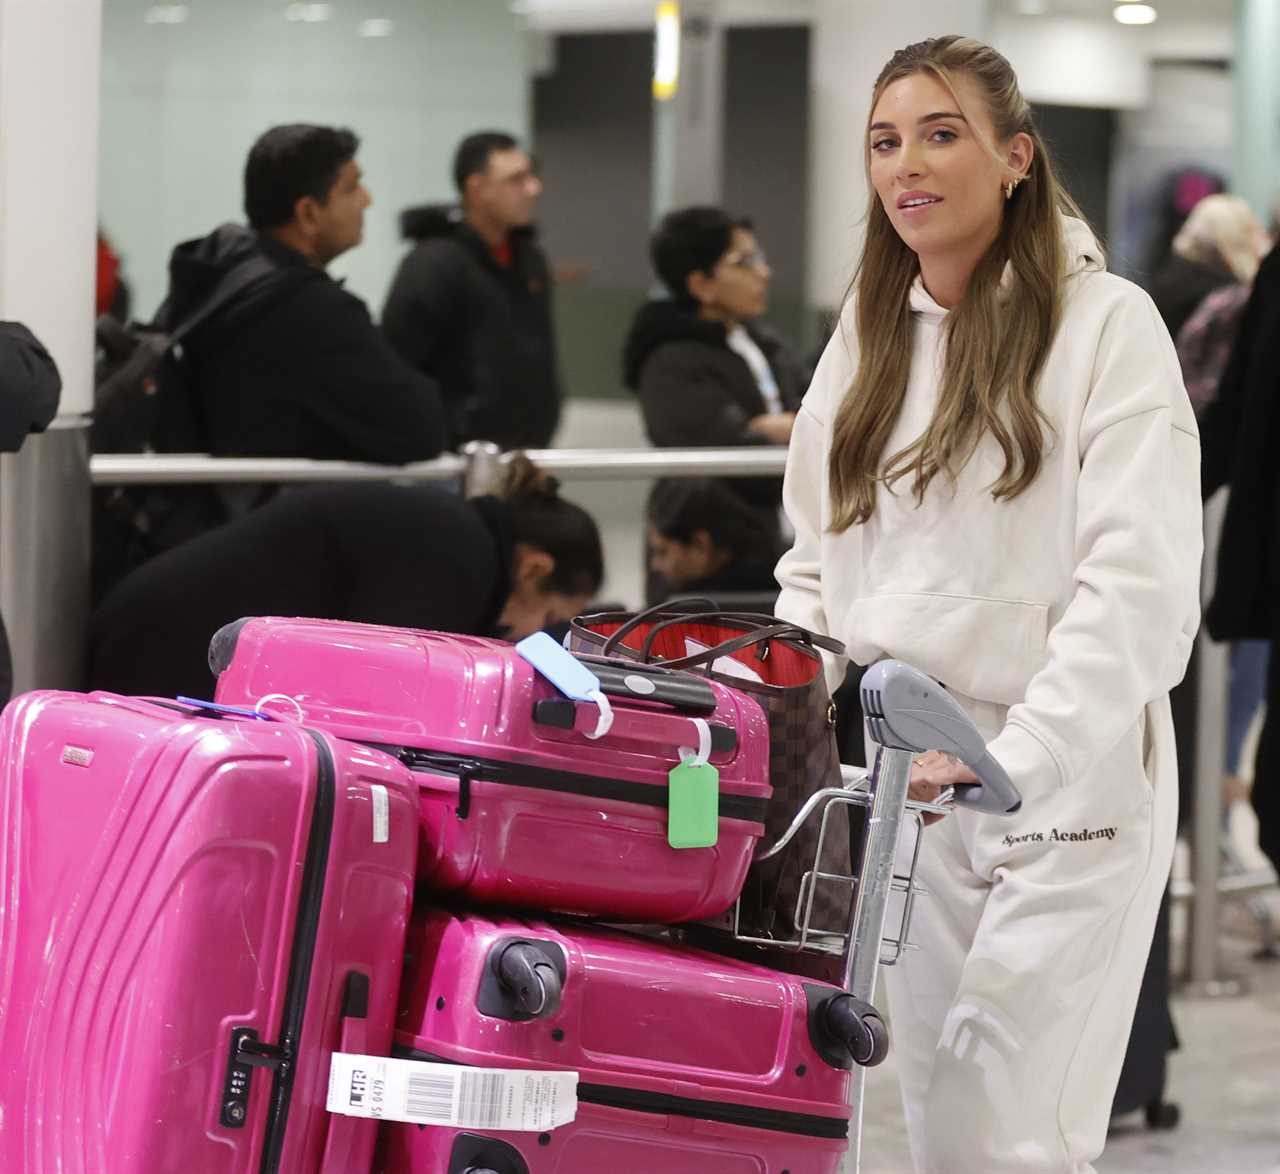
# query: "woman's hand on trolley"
{"points": [[933, 771]]}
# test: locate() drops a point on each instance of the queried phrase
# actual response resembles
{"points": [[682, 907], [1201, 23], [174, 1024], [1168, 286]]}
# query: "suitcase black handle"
{"points": [[650, 682], [346, 1136]]}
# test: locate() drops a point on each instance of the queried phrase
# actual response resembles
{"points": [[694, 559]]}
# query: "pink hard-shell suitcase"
{"points": [[688, 1062], [195, 914], [520, 806]]}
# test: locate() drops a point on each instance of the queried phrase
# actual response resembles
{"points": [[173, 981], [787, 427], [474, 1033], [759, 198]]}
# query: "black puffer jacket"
{"points": [[1179, 286], [29, 391], [482, 330], [294, 368], [1239, 435], [696, 391]]}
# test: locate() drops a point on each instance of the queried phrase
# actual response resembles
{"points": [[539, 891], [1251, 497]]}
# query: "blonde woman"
{"points": [[1219, 244], [995, 477]]}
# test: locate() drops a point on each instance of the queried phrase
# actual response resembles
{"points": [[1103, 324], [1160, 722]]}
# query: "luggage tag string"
{"points": [[605, 722], [702, 756], [296, 718]]}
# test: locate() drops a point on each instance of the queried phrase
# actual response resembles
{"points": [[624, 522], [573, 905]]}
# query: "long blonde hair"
{"points": [[1222, 231], [995, 345]]}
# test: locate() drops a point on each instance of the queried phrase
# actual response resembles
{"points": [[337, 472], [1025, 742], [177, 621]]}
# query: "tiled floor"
{"points": [[1226, 1079]]}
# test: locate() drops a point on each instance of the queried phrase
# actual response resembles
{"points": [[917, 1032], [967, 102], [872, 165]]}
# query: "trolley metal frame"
{"points": [[864, 946]]}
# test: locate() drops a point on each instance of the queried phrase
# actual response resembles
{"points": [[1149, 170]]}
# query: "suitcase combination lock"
{"points": [[247, 1052]]}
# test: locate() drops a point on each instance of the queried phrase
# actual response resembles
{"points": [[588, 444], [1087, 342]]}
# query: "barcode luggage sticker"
{"points": [[444, 1094]]}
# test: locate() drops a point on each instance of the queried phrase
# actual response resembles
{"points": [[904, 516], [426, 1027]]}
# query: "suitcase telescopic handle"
{"points": [[906, 710], [662, 729]]}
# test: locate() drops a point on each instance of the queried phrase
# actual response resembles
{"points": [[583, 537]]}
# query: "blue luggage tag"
{"points": [[564, 670], [216, 707]]}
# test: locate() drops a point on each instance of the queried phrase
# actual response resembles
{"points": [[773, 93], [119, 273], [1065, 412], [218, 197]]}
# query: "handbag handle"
{"points": [[735, 644], [763, 628], [804, 635], [684, 607]]}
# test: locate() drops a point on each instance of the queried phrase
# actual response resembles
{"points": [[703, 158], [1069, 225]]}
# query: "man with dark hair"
{"points": [[284, 361], [471, 303]]}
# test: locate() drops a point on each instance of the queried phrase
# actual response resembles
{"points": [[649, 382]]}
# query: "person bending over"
{"points": [[407, 556]]}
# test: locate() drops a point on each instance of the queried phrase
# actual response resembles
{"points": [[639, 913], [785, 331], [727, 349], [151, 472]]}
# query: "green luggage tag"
{"points": [[693, 797]]}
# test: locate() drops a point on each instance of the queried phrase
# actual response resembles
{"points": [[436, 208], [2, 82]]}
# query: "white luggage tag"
{"points": [[568, 674], [422, 1093]]}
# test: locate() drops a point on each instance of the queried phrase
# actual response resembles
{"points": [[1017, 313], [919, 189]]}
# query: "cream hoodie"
{"points": [[1076, 603]]}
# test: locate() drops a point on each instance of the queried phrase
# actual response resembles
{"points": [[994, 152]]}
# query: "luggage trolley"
{"points": [[907, 713]]}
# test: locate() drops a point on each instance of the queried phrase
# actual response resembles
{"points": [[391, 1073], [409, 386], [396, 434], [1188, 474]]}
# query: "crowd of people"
{"points": [[263, 354]]}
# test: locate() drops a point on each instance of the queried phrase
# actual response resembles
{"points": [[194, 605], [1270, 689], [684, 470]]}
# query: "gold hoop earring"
{"points": [[1008, 189]]}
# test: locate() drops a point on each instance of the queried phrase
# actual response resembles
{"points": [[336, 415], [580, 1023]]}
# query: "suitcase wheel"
{"points": [[875, 1045], [530, 979], [857, 1026], [1163, 1115]]}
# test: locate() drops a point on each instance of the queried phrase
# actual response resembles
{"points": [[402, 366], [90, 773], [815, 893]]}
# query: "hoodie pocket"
{"points": [[987, 649]]}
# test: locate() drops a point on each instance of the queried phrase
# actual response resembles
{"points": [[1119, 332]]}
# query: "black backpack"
{"points": [[133, 360], [134, 523]]}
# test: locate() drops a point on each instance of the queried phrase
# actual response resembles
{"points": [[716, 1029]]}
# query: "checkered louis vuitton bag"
{"points": [[779, 664]]}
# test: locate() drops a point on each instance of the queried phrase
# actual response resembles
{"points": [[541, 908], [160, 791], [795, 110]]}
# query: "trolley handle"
{"points": [[907, 710]]}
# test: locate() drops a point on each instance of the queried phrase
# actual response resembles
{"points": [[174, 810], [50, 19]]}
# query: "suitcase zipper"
{"points": [[281, 1056], [725, 1112], [743, 807]]}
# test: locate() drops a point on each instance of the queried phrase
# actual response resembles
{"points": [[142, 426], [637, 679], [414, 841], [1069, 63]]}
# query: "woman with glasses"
{"points": [[707, 372]]}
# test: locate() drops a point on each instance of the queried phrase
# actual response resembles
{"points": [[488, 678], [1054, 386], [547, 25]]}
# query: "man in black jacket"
{"points": [[29, 390], [471, 303], [293, 366]]}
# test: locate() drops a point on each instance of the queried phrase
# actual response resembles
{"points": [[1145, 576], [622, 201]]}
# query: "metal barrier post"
{"points": [[484, 467], [1211, 738]]}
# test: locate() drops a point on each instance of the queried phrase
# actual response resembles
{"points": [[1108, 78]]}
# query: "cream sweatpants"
{"points": [[1010, 1022]]}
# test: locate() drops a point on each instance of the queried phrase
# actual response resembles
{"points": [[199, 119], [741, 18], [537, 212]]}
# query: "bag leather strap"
{"points": [[728, 647], [682, 608]]}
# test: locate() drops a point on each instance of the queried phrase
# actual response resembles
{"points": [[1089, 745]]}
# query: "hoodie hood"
{"points": [[198, 267], [428, 220], [662, 321], [432, 221], [1083, 255]]}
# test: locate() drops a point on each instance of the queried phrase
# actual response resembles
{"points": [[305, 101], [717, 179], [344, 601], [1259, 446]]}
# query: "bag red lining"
{"points": [[776, 662]]}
